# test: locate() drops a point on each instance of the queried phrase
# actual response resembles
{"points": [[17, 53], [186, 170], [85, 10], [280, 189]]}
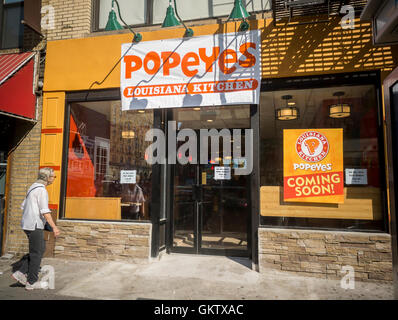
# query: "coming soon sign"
{"points": [[219, 69], [313, 165]]}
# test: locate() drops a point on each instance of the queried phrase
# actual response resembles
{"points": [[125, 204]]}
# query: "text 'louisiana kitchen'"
{"points": [[190, 65]]}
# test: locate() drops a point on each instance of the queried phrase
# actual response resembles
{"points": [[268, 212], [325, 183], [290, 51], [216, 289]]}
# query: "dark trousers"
{"points": [[37, 247]]}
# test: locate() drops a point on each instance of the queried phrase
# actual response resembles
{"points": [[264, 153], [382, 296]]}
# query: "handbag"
{"points": [[47, 227]]}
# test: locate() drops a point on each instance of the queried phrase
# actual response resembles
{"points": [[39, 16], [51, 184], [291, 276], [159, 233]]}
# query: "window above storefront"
{"points": [[11, 15], [153, 12]]}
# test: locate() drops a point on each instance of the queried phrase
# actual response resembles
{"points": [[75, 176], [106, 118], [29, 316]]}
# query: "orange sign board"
{"points": [[313, 165]]}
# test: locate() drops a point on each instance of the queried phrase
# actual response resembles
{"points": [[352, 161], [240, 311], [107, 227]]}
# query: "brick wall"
{"points": [[23, 162], [72, 19], [323, 253], [90, 240], [24, 167]]}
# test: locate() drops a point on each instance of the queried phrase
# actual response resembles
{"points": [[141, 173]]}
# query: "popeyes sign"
{"points": [[219, 69], [313, 165]]}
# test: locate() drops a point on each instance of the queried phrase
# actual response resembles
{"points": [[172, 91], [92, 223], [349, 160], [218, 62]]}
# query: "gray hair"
{"points": [[44, 175]]}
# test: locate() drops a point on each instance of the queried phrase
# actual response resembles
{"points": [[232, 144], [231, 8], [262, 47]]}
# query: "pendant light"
{"points": [[128, 132], [339, 110], [239, 13], [113, 24], [287, 112], [171, 21]]}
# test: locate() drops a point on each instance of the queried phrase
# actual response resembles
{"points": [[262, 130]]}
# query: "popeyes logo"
{"points": [[218, 69], [191, 62], [312, 146], [313, 165]]}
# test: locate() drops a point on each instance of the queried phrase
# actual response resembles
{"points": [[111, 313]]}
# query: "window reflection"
{"points": [[108, 177], [363, 204]]}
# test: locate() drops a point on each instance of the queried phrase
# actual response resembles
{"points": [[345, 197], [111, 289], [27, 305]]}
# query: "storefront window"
{"points": [[149, 12], [108, 177], [11, 14], [363, 206]]}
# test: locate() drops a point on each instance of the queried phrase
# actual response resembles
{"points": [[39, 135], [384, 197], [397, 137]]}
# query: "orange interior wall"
{"points": [[80, 167]]}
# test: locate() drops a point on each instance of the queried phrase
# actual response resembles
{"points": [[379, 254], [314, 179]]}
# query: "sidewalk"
{"points": [[184, 277]]}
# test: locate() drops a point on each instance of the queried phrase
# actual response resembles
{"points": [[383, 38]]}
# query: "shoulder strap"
{"points": [[32, 190]]}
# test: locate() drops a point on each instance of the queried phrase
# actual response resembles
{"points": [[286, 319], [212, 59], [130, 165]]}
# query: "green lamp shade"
{"points": [[239, 11], [113, 24], [170, 20]]}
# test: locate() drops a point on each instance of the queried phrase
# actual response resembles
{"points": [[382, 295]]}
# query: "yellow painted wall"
{"points": [[287, 50]]}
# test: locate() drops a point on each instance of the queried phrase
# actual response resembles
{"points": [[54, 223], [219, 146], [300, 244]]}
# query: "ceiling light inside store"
{"points": [[128, 134], [287, 113], [339, 110]]}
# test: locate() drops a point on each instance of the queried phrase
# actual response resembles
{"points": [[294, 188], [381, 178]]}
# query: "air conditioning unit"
{"points": [[302, 3]]}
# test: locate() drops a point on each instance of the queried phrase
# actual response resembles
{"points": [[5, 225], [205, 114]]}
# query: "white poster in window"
{"points": [[128, 176], [222, 173], [356, 176], [217, 69]]}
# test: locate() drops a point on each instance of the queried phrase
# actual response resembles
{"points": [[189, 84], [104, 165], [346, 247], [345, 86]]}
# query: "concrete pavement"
{"points": [[183, 277]]}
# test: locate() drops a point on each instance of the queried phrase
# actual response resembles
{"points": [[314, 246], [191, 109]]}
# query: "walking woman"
{"points": [[35, 214]]}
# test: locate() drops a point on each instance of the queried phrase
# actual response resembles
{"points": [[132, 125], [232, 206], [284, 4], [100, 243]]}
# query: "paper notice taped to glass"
{"points": [[356, 176], [222, 173], [128, 176]]}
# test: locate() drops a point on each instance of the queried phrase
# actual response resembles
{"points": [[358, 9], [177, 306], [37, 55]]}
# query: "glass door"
{"points": [[225, 206], [210, 205]]}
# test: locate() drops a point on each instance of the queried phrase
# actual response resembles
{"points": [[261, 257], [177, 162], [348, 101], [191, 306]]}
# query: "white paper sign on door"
{"points": [[128, 176], [356, 176], [222, 173]]}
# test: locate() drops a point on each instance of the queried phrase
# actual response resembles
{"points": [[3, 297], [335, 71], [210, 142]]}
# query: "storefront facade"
{"points": [[112, 204]]}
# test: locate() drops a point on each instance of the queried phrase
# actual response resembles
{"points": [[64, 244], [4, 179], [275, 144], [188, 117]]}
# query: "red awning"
{"points": [[17, 96]]}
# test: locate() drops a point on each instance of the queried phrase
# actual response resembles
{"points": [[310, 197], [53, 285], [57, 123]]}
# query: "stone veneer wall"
{"points": [[323, 253], [91, 240]]}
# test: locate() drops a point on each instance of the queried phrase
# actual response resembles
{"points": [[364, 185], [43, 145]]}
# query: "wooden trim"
{"points": [[92, 95], [255, 185], [389, 82], [94, 15], [55, 168], [57, 130]]}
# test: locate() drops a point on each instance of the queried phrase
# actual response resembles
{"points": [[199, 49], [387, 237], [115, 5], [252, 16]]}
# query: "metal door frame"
{"points": [[253, 197], [392, 158]]}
